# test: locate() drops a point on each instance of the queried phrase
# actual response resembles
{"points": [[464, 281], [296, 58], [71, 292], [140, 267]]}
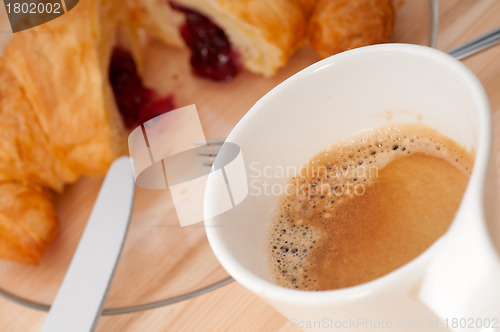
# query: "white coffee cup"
{"points": [[455, 284]]}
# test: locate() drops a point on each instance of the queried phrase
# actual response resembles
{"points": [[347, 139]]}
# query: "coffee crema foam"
{"points": [[366, 206]]}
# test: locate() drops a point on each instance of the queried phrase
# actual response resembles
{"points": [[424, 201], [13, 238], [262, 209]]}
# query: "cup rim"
{"points": [[473, 193]]}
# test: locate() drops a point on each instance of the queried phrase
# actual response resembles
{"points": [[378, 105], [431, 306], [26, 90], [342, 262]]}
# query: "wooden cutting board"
{"points": [[162, 260]]}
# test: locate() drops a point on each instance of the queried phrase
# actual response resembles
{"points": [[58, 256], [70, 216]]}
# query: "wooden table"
{"points": [[233, 308]]}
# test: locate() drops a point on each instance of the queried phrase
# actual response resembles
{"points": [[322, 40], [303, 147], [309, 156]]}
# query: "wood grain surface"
{"points": [[160, 259]]}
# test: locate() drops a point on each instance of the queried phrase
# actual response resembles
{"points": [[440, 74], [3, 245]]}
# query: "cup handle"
{"points": [[462, 282]]}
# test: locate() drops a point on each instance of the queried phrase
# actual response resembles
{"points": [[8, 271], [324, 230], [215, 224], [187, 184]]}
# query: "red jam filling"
{"points": [[212, 56], [136, 103]]}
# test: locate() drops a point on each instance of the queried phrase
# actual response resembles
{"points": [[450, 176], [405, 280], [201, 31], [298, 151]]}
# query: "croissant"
{"points": [[224, 35], [262, 35], [58, 120], [356, 23], [71, 89]]}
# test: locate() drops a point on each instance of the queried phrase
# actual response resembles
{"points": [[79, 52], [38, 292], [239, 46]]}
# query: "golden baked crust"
{"points": [[156, 19], [264, 33], [59, 68], [267, 33], [27, 222], [307, 6], [26, 153], [339, 25], [28, 161], [58, 119]]}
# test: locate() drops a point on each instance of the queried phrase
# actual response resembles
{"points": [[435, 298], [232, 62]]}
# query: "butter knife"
{"points": [[79, 301]]}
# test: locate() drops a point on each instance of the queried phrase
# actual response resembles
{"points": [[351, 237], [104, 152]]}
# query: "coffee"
{"points": [[366, 206]]}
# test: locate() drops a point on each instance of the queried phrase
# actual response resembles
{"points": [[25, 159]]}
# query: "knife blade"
{"points": [[79, 301]]}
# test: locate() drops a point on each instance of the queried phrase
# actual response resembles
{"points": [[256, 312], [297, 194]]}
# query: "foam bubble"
{"points": [[333, 176]]}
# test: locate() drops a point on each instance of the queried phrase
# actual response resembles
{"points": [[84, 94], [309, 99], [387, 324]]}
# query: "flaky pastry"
{"points": [[266, 33], [263, 33], [339, 25], [58, 120]]}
